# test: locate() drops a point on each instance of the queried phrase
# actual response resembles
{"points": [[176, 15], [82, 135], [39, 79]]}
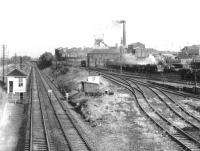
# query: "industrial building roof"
{"points": [[16, 73], [191, 47], [137, 44], [104, 51]]}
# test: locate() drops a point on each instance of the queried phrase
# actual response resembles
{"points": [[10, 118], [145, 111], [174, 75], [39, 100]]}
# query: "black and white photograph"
{"points": [[99, 75]]}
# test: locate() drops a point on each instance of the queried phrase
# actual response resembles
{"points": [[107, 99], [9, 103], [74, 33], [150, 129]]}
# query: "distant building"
{"points": [[134, 46], [138, 49], [99, 57], [16, 83], [190, 52]]}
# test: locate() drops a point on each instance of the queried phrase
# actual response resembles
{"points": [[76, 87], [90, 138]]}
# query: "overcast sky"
{"points": [[31, 27]]}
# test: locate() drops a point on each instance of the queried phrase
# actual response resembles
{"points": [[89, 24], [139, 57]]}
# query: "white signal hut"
{"points": [[94, 78], [16, 84]]}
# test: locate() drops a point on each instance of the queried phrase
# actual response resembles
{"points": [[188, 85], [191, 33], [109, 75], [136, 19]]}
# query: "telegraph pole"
{"points": [[195, 75], [3, 61], [21, 62], [15, 60], [195, 81]]}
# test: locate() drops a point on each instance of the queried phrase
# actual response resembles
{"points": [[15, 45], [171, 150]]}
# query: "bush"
{"points": [[59, 54], [59, 68], [65, 88], [45, 60], [64, 70]]}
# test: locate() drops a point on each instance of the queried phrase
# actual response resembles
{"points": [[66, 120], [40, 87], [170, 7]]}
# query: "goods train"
{"points": [[148, 68]]}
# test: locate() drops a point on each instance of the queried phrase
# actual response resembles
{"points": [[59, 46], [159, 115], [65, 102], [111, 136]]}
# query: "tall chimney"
{"points": [[124, 33]]}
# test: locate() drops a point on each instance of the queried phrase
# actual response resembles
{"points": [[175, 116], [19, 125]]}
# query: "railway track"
{"points": [[172, 104], [184, 140], [37, 137], [173, 112], [166, 102], [75, 138], [166, 92], [146, 77], [177, 108], [133, 77]]}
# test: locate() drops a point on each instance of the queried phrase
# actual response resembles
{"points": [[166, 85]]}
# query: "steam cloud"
{"points": [[132, 59]]}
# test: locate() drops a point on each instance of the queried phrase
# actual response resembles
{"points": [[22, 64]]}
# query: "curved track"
{"points": [[164, 96], [133, 77], [144, 76], [173, 113], [170, 103], [184, 140]]}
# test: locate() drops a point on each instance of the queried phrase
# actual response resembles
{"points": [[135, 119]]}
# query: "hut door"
{"points": [[21, 95], [11, 86]]}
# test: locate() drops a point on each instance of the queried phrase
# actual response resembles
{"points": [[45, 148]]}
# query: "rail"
{"points": [[128, 86], [67, 113]]}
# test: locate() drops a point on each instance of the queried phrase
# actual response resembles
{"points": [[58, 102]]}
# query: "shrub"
{"points": [[45, 60]]}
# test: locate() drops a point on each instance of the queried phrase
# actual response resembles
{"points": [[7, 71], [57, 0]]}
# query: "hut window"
{"points": [[20, 82]]}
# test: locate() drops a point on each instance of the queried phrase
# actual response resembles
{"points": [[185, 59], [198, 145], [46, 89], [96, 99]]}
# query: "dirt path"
{"points": [[11, 118]]}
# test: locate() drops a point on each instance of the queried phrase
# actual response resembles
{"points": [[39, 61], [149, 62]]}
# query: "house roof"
{"points": [[16, 73]]}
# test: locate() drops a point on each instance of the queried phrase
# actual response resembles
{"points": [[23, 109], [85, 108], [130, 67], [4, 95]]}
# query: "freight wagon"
{"points": [[148, 68]]}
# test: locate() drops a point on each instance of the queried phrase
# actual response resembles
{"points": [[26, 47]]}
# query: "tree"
{"points": [[45, 60], [59, 54]]}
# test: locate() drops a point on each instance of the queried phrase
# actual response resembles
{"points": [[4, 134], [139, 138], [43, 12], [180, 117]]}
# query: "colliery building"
{"points": [[191, 51], [138, 49], [99, 57], [189, 54]]}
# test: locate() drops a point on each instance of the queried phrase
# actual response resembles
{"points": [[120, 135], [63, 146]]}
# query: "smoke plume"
{"points": [[132, 59]]}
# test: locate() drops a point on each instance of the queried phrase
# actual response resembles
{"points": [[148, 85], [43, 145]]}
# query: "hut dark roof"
{"points": [[16, 73]]}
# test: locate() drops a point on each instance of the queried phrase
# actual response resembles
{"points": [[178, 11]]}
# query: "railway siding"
{"points": [[178, 135]]}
